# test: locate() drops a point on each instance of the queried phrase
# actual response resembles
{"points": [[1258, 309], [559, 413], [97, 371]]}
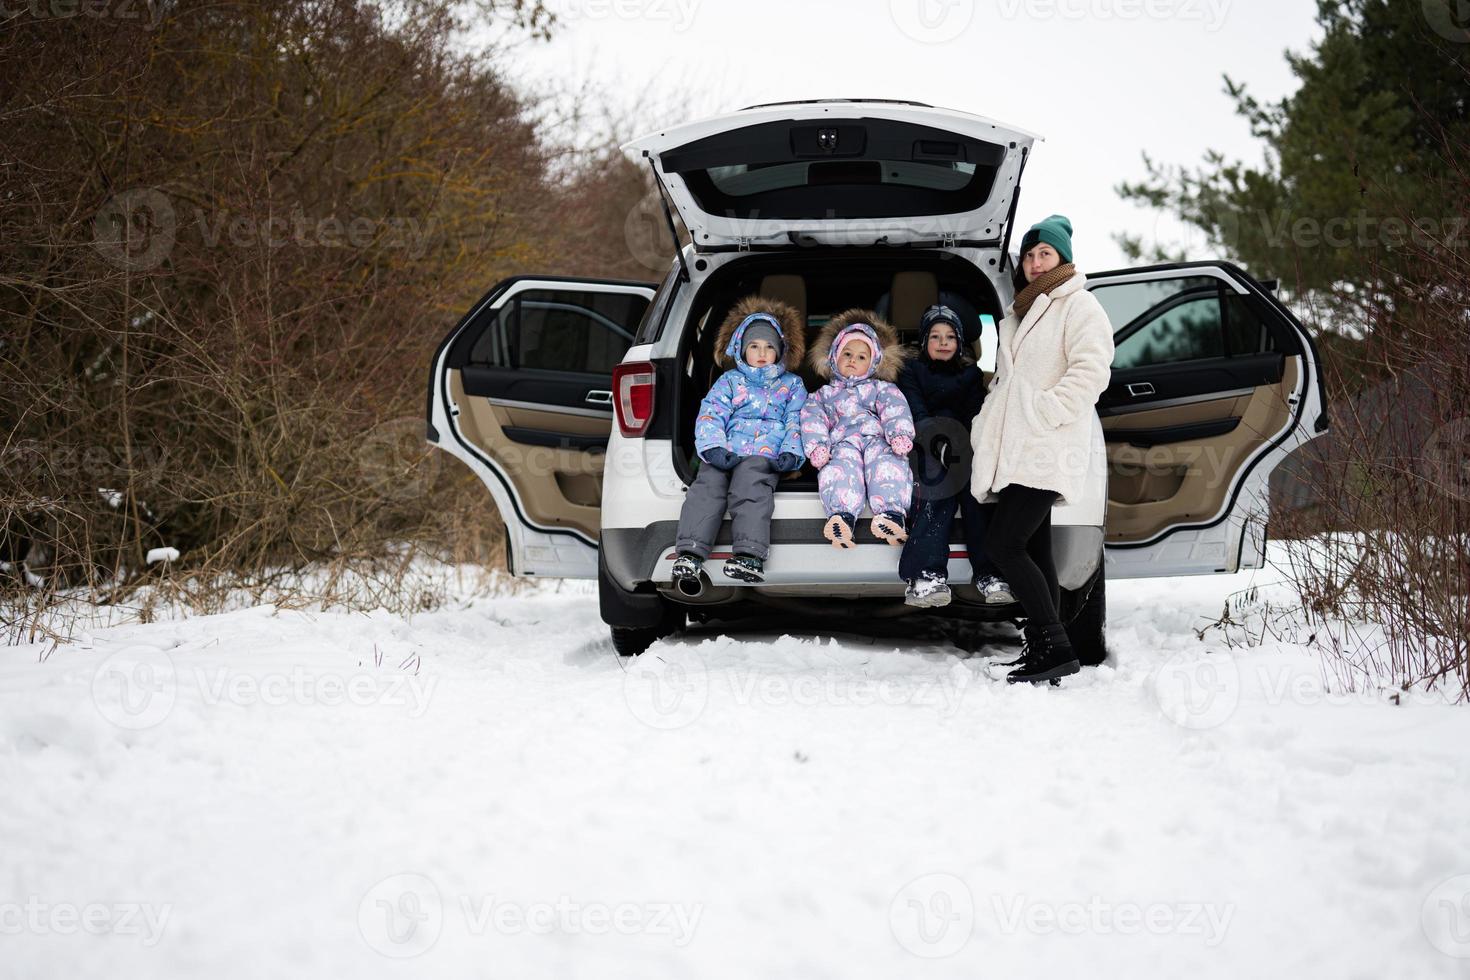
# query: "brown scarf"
{"points": [[1043, 283]]}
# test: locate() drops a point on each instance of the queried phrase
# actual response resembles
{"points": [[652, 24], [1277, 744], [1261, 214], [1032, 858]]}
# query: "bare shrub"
{"points": [[230, 241], [1377, 513]]}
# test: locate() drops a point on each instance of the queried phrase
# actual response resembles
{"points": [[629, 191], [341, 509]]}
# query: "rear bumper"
{"points": [[801, 563]]}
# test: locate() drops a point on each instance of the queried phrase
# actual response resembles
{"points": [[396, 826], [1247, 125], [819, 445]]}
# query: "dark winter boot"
{"points": [[745, 568], [1046, 655]]}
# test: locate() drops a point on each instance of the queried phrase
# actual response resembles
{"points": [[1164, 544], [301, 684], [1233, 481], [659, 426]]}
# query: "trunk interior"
{"points": [[898, 284]]}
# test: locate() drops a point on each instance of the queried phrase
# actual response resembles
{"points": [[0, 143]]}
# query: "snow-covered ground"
{"points": [[488, 791]]}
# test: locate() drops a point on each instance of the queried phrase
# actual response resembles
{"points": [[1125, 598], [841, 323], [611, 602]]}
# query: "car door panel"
{"points": [[1186, 481], [536, 427], [1145, 387], [1165, 435], [570, 392], [523, 394]]}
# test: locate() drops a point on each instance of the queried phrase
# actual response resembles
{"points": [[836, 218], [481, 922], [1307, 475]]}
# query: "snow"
{"points": [[486, 790], [156, 555]]}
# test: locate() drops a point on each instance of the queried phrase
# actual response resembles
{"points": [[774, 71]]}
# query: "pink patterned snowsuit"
{"points": [[858, 432]]}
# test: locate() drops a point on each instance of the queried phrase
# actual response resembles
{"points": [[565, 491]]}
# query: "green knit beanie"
{"points": [[1056, 231]]}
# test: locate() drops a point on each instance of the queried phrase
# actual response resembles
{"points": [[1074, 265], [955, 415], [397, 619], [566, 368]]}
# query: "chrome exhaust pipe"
{"points": [[691, 588]]}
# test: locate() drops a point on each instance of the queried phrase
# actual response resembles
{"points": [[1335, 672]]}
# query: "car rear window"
{"points": [[839, 168]]}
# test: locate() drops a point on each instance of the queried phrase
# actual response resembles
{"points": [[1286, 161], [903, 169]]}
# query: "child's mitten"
{"points": [[720, 458]]}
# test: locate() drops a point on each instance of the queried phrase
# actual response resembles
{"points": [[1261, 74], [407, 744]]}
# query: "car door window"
{"points": [[561, 330], [1170, 321], [1184, 332]]}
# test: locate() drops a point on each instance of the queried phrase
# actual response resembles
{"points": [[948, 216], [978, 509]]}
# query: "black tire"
{"points": [[630, 641], [1088, 629]]}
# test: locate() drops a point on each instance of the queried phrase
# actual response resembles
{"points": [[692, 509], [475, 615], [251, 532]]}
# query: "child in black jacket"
{"points": [[945, 389]]}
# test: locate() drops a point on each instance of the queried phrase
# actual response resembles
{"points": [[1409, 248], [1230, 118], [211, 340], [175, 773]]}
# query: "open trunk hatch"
{"points": [[840, 173]]}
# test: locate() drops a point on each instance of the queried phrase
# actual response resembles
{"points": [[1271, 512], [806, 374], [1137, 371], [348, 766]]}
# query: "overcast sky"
{"points": [[1101, 80]]}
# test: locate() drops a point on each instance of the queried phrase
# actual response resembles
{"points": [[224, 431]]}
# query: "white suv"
{"points": [[574, 400]]}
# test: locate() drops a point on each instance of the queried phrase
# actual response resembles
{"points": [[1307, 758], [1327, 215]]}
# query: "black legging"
{"points": [[1019, 543]]}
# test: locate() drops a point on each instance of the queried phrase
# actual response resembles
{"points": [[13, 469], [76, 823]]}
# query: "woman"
{"points": [[1037, 437]]}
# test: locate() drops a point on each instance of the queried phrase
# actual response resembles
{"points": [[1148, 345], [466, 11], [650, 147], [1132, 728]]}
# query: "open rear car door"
{"points": [[1214, 382], [521, 391]]}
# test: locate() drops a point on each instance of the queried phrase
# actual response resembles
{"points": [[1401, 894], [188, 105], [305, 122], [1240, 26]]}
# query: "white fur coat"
{"points": [[1039, 427]]}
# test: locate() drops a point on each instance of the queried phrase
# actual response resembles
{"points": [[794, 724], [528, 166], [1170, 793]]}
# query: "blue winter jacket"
{"points": [[751, 411]]}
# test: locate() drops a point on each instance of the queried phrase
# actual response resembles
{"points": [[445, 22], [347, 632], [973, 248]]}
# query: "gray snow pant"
{"points": [[750, 492]]}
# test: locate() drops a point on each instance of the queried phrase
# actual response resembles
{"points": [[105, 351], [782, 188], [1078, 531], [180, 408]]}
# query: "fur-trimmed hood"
{"points": [[788, 322], [890, 357]]}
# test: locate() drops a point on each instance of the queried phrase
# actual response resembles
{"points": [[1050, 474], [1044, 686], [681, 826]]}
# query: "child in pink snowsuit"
{"points": [[857, 430]]}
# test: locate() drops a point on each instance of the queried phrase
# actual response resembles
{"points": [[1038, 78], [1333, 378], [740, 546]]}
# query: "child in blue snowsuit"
{"points": [[747, 434], [857, 429], [945, 390]]}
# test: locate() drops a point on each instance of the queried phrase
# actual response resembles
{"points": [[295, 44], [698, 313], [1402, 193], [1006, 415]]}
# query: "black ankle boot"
{"points": [[1047, 655]]}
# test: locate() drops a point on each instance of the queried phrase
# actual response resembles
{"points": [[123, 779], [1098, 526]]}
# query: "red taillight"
{"points": [[633, 397]]}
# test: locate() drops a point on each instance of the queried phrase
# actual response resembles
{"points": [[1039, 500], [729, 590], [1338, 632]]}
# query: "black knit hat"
{"points": [[940, 313]]}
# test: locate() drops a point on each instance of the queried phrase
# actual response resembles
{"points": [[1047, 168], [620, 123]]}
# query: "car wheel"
{"points": [[630, 641], [1088, 628]]}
